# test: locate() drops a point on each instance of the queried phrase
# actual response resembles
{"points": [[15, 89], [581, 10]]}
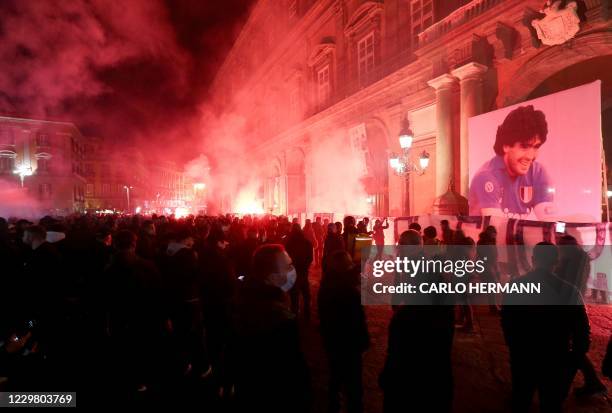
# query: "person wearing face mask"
{"points": [[379, 236], [41, 268], [269, 370], [40, 289]]}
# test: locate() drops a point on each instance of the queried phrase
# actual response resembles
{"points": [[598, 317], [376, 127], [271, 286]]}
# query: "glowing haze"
{"points": [[137, 74]]}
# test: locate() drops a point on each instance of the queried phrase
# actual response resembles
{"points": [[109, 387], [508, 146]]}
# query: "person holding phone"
{"points": [[379, 235]]}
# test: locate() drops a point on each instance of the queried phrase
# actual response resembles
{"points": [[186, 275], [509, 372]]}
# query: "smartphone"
{"points": [[560, 227]]}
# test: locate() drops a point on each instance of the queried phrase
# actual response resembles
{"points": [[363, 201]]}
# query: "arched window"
{"points": [[364, 33], [42, 161], [322, 62], [7, 162]]}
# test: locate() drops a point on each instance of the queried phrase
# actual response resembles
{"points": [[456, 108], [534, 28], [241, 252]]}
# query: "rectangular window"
{"points": [[44, 191], [43, 165], [422, 16], [323, 86], [89, 190], [42, 139], [106, 189], [7, 137], [7, 164], [365, 56]]}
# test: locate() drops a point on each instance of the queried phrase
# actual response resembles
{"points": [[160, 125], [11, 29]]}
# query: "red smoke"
{"points": [[52, 52], [136, 72]]}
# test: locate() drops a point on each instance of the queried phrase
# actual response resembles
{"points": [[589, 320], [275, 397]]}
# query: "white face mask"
{"points": [[291, 277]]}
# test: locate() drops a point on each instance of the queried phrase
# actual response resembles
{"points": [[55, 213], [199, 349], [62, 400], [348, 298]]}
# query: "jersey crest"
{"points": [[526, 194]]}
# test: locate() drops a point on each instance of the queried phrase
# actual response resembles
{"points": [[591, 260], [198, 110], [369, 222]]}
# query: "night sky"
{"points": [[127, 71]]}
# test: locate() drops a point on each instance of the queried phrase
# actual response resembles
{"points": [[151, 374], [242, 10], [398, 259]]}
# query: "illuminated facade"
{"points": [[104, 188], [169, 188], [125, 180], [46, 158], [304, 73]]}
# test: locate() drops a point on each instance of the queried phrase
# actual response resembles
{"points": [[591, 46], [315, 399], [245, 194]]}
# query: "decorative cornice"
{"points": [[7, 154], [442, 82], [507, 36], [469, 71], [43, 155], [363, 16], [321, 52]]}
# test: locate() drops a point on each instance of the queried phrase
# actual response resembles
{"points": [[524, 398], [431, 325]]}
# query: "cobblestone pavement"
{"points": [[480, 362]]}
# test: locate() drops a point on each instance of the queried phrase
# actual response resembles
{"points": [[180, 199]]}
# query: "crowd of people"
{"points": [[204, 310]]}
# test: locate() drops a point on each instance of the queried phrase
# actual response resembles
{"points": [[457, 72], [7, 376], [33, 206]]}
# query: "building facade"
{"points": [[104, 189], [124, 179], [346, 74], [169, 188], [46, 159]]}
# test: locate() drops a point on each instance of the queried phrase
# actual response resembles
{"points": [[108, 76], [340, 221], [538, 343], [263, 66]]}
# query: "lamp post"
{"points": [[401, 164], [127, 193], [23, 171]]}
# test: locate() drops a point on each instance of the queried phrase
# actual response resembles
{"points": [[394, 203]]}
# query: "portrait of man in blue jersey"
{"points": [[513, 183]]}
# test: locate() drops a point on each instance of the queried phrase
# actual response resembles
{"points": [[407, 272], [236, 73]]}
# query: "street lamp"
{"points": [[406, 136], [400, 163], [127, 193], [23, 171]]}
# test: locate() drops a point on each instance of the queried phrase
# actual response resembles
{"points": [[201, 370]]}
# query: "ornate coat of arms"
{"points": [[558, 25]]}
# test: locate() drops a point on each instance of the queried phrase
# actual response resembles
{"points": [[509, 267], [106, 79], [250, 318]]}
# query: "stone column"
{"points": [[470, 80], [444, 140]]}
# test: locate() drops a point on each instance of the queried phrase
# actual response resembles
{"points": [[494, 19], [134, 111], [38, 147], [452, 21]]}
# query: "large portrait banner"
{"points": [[539, 160]]}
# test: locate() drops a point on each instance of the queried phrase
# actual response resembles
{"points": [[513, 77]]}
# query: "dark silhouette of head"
{"points": [[125, 240], [415, 226], [339, 261], [410, 237], [430, 232], [349, 222], [338, 225], [545, 255], [265, 260]]}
